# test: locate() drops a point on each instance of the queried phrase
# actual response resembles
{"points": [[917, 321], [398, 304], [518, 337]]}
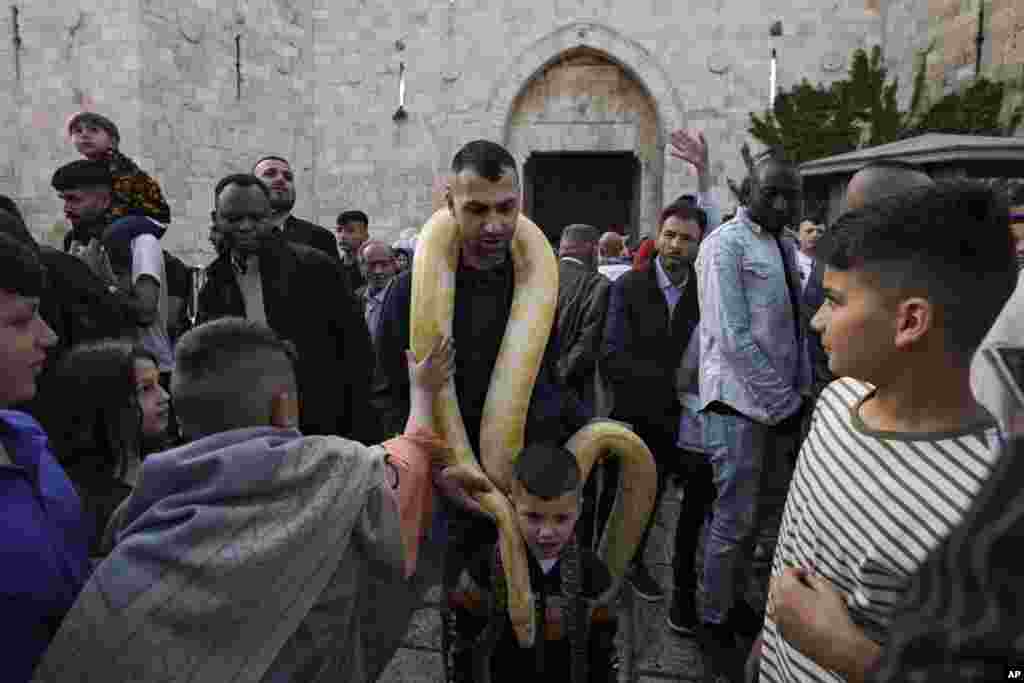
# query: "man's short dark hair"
{"points": [[580, 232], [21, 271], [242, 180], [207, 349], [91, 118], [487, 159], [270, 157], [353, 217], [816, 216], [547, 471], [214, 361], [684, 211], [949, 243], [82, 174]]}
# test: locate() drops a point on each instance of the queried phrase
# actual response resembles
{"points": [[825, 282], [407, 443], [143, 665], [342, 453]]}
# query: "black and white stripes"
{"points": [[864, 510]]}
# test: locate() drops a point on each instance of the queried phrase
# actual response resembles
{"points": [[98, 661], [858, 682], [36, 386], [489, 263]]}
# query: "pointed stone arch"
{"points": [[534, 65]]}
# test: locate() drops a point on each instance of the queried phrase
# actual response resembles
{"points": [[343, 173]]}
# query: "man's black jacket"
{"points": [[298, 231], [483, 301], [643, 347], [582, 306], [308, 302]]}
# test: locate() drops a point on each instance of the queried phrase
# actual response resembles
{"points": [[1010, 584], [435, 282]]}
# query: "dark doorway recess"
{"points": [[597, 188]]}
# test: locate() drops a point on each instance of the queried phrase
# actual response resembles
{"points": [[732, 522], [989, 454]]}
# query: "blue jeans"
{"points": [[751, 465]]}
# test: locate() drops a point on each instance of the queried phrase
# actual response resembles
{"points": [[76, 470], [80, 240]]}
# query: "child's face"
{"points": [[546, 525], [857, 325], [153, 400], [92, 142]]}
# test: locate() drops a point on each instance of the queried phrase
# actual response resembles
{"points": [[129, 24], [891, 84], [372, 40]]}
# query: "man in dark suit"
{"points": [[582, 307], [260, 276], [652, 314], [276, 173]]}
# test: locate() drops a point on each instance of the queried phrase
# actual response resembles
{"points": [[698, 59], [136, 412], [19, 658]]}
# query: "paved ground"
{"points": [[660, 655]]}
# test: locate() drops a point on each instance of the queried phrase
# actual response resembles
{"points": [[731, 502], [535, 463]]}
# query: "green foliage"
{"points": [[821, 113], [975, 110], [812, 122]]}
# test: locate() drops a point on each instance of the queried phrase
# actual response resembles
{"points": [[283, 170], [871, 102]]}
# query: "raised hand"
{"points": [[436, 369], [692, 148]]}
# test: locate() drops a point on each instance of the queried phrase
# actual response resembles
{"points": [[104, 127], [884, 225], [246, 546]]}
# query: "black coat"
{"points": [[812, 299], [308, 302], [643, 348], [582, 307], [298, 231], [354, 275], [483, 302]]}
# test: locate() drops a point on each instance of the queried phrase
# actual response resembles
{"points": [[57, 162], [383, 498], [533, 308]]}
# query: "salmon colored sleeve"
{"points": [[413, 454]]}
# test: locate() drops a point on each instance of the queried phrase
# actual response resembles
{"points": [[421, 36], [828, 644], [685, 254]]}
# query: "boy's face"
{"points": [[24, 340], [91, 141], [857, 325], [546, 525]]}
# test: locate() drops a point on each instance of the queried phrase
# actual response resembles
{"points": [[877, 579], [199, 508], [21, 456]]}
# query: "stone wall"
{"points": [[320, 85], [950, 28]]}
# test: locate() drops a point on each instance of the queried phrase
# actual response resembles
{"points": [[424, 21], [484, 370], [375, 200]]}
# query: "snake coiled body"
{"points": [[503, 422]]}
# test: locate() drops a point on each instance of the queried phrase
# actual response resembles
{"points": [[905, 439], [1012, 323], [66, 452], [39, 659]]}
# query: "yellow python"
{"points": [[504, 415]]}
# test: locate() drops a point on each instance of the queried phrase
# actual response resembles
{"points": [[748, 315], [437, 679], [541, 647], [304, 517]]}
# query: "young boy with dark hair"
{"points": [[898, 447], [44, 539], [97, 138], [564, 577]]}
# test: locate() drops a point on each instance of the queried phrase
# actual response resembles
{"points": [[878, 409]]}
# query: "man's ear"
{"points": [[284, 410], [915, 317], [448, 201]]}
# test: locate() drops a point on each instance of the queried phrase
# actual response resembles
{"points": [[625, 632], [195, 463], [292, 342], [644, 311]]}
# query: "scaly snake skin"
{"points": [[503, 423]]}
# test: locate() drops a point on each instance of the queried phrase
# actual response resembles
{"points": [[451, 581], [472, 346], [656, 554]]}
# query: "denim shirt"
{"points": [[750, 359]]}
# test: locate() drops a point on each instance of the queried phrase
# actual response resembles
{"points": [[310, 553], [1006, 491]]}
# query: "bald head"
{"points": [[611, 244], [878, 181], [373, 248]]}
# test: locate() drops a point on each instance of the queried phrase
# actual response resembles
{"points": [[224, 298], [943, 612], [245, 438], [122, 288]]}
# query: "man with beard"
{"points": [[261, 276], [651, 315], [753, 377], [377, 260], [276, 173], [483, 196], [130, 244]]}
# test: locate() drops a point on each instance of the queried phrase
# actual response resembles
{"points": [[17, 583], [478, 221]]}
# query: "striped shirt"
{"points": [[865, 508]]}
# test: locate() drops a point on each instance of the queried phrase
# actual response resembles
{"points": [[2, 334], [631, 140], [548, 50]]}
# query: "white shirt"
{"points": [[805, 264], [251, 285], [614, 271], [148, 260]]}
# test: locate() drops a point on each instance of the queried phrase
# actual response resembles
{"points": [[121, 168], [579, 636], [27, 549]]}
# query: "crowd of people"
{"points": [[242, 483]]}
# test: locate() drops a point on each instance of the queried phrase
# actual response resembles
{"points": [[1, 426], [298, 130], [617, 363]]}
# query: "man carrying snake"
{"points": [[483, 196], [486, 276]]}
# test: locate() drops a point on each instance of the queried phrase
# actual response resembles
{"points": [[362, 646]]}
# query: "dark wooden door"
{"points": [[593, 188]]}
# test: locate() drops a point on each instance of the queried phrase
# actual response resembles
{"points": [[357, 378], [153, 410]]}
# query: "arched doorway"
{"points": [[587, 132]]}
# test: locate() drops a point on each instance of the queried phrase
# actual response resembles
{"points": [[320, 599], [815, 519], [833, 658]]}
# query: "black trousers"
{"points": [[698, 497]]}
